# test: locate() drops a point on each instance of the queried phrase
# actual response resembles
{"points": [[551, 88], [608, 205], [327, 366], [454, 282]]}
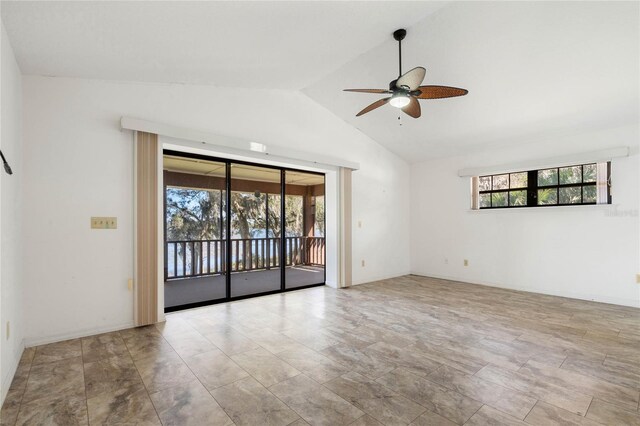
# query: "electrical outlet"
{"points": [[363, 263], [8, 329], [130, 285], [359, 224], [446, 261], [104, 222], [466, 262]]}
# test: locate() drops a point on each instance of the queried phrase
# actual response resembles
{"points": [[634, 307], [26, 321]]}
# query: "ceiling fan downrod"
{"points": [[399, 35]]}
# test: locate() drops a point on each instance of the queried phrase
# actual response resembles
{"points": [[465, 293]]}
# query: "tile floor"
{"points": [[409, 350]]}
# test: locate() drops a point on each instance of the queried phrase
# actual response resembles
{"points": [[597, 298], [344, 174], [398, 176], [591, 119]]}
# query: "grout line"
{"points": [[84, 382], [475, 412], [531, 409], [25, 385], [144, 385], [589, 407]]}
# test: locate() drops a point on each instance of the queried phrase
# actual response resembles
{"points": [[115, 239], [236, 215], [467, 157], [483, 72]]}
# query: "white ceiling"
{"points": [[282, 45], [531, 68]]}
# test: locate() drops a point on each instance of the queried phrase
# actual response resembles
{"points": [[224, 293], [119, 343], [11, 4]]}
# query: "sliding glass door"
{"points": [[235, 229], [255, 230], [304, 229], [195, 230]]}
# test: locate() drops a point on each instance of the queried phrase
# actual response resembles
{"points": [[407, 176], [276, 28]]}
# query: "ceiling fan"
{"points": [[406, 90]]}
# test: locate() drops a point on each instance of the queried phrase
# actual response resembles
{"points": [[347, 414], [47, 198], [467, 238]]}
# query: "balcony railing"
{"points": [[194, 258]]}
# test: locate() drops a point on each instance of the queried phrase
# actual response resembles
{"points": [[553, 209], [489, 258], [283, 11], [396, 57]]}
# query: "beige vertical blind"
{"points": [[346, 277], [602, 183], [146, 245]]}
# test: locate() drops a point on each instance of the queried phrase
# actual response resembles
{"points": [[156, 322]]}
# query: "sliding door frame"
{"points": [[227, 242]]}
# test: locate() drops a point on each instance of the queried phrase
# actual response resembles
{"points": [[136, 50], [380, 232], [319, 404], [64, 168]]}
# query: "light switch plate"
{"points": [[104, 222]]}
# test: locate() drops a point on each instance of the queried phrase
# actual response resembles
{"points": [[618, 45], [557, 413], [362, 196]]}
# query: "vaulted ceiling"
{"points": [[531, 68]]}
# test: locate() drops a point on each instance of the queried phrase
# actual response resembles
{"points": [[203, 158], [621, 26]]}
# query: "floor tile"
{"points": [[507, 400], [64, 377], [315, 403], [544, 414], [189, 345], [188, 404], [409, 358], [428, 351], [366, 420], [127, 406], [57, 351], [103, 346], [230, 341], [54, 410], [311, 338], [264, 366], [215, 369], [110, 374], [249, 403], [374, 399], [429, 418], [609, 414], [313, 364], [574, 402], [163, 371], [434, 397], [11, 406], [272, 341], [145, 342], [490, 416], [600, 389], [369, 363]]}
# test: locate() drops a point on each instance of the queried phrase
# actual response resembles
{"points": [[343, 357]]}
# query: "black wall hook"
{"points": [[7, 167]]}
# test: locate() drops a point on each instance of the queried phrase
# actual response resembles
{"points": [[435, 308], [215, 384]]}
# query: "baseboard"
{"points": [[380, 278], [37, 341], [567, 294], [8, 378]]}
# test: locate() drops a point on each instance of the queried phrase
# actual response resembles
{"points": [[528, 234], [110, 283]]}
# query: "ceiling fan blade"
{"points": [[439, 92], [367, 90], [413, 108], [411, 79], [376, 104]]}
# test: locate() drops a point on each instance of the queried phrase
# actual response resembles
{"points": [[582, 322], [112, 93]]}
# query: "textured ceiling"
{"points": [[282, 45], [531, 68]]}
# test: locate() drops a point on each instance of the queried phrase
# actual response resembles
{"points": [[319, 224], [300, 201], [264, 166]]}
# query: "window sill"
{"points": [[597, 207]]}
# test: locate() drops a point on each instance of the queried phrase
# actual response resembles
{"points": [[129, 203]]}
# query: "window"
{"points": [[557, 186]]}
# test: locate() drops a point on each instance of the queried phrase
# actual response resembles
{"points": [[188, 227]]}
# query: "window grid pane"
{"points": [[566, 185]]}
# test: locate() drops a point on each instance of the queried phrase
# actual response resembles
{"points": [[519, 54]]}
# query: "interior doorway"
{"points": [[235, 229]]}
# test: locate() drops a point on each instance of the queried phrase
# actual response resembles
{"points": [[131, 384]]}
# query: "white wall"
{"points": [[78, 164], [10, 217], [585, 252]]}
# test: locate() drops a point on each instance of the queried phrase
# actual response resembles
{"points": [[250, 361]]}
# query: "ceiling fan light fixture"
{"points": [[399, 100], [406, 90]]}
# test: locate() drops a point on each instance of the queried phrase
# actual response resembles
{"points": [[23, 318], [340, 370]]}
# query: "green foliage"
{"points": [[518, 198], [193, 214], [319, 225], [196, 215], [499, 199], [547, 177], [570, 175], [547, 196]]}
